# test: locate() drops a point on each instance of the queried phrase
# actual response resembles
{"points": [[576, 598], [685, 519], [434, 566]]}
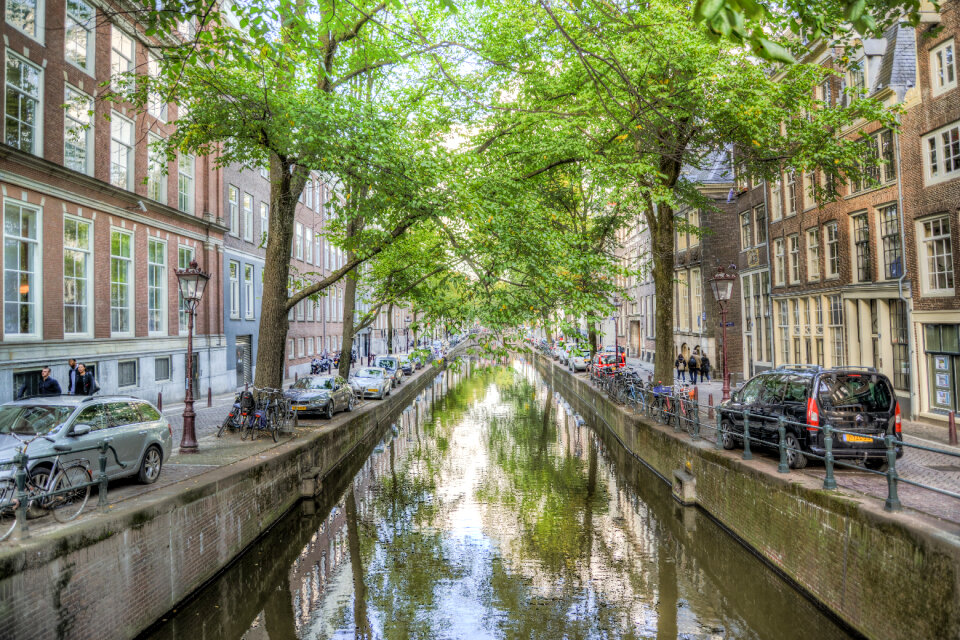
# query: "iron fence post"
{"points": [[696, 421], [102, 478], [829, 482], [747, 454], [719, 442], [21, 479], [783, 467], [893, 500], [677, 411]]}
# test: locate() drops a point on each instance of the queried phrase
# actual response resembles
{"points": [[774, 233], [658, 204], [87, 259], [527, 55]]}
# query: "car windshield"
{"points": [[387, 363], [31, 420], [855, 391], [313, 383], [370, 373], [608, 359]]}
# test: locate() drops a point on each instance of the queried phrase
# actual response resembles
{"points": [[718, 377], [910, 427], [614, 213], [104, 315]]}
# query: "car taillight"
{"points": [[813, 415], [897, 424]]}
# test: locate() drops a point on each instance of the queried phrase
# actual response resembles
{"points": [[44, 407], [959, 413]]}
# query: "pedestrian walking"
{"points": [[681, 365], [86, 383], [48, 384], [705, 368], [72, 376], [694, 365]]}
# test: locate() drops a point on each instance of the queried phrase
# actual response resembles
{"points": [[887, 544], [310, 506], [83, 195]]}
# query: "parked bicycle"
{"points": [[272, 413]]}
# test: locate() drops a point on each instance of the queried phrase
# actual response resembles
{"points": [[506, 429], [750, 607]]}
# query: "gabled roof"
{"points": [[898, 66]]}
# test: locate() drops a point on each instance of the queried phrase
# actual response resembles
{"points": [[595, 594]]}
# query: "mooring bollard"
{"points": [[747, 454], [710, 410], [783, 467], [21, 479], [952, 427], [829, 482], [102, 477], [893, 500], [160, 401], [209, 396]]}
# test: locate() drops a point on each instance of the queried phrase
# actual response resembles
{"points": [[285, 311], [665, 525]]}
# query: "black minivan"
{"points": [[854, 399]]}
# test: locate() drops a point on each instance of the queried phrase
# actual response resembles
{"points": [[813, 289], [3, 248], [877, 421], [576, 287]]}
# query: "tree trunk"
{"points": [[390, 329], [285, 189], [661, 235], [592, 337], [349, 304], [361, 621]]}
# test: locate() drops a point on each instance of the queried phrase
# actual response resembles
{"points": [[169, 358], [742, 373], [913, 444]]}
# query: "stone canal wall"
{"points": [[890, 576], [112, 575]]}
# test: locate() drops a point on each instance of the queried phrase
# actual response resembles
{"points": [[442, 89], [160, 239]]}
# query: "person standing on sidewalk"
{"points": [[694, 365], [72, 376], [48, 384], [86, 383], [705, 367], [681, 365]]}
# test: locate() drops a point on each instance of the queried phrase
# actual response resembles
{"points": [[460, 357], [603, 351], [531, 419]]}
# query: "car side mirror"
{"points": [[81, 430], [291, 386]]}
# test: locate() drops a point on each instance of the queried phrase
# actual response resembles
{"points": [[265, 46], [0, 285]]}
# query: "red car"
{"points": [[607, 363]]}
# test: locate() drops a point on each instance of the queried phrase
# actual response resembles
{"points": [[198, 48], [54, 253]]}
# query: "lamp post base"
{"points": [[188, 443], [726, 386]]}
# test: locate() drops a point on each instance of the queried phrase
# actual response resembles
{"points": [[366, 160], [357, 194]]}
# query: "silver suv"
{"points": [[139, 433]]}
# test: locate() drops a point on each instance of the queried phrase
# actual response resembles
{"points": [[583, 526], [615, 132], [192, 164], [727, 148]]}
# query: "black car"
{"points": [[857, 400]]}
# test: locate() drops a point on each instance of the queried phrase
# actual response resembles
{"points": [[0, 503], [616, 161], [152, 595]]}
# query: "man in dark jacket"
{"points": [[48, 386], [72, 377]]}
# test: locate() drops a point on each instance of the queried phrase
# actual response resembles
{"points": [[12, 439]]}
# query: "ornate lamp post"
{"points": [[192, 282], [722, 285]]}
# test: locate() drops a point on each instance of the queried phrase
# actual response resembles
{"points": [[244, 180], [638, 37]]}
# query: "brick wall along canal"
{"points": [[496, 513]]}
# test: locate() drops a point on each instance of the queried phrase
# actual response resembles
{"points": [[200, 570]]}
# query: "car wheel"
{"points": [[875, 464], [151, 465], [726, 435], [350, 403], [328, 411], [795, 457]]}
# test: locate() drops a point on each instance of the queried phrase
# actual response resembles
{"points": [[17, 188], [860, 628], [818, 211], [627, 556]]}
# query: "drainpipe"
{"points": [[911, 343]]}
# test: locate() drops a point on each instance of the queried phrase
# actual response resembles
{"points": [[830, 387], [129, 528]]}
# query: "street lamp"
{"points": [[192, 282], [406, 335], [722, 285]]}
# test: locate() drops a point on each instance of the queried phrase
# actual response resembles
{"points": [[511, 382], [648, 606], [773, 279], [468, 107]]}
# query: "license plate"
{"points": [[849, 438], [372, 390], [299, 407]]}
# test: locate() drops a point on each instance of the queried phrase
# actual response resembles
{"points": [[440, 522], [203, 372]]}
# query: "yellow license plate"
{"points": [[848, 438], [373, 390], [299, 407]]}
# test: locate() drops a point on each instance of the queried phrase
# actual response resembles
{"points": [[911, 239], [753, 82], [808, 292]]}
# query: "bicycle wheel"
{"points": [[223, 427], [245, 427], [73, 490], [8, 510]]}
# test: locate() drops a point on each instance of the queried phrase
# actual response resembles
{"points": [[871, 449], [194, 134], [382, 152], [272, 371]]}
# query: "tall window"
{"points": [[185, 189], [298, 241], [899, 336], [156, 104], [888, 155], [784, 326], [307, 246], [697, 299], [890, 237], [760, 224], [184, 256], [156, 286], [248, 291], [813, 254], [27, 16], [121, 151], [78, 34], [308, 190], [794, 258], [22, 121], [264, 223], [943, 69], [937, 259], [77, 131], [76, 275], [776, 206], [861, 246], [831, 234], [693, 219], [233, 206], [121, 280], [836, 331], [234, 290], [746, 237], [809, 189], [857, 76], [156, 167], [248, 217], [20, 267], [791, 193], [121, 55], [943, 154], [778, 262]]}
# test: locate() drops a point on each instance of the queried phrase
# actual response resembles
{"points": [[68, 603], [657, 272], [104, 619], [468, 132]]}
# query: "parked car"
{"points": [[579, 359], [374, 382], [606, 363], [406, 364], [858, 400], [392, 365], [321, 394], [140, 434]]}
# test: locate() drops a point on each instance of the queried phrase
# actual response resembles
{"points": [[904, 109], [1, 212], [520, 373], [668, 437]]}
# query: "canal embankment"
{"points": [[112, 575], [886, 575]]}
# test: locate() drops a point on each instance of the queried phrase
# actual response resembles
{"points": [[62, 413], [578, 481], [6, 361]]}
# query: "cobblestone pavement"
{"points": [[926, 467]]}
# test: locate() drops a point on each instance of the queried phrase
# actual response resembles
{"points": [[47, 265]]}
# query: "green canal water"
{"points": [[489, 510]]}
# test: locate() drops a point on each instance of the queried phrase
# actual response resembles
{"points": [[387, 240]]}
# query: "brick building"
{"points": [[753, 264], [93, 227]]}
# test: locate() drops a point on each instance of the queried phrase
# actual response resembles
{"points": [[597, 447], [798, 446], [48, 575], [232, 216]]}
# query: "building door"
{"points": [[244, 360], [942, 347]]}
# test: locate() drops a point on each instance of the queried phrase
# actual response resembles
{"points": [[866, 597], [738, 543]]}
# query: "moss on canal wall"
{"points": [[891, 576], [114, 574]]}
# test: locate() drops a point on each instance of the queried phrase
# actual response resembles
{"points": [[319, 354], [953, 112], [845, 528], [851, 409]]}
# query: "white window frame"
{"points": [[248, 291], [943, 67], [309, 346], [813, 254], [746, 229], [290, 352], [934, 167], [857, 70], [776, 200], [247, 209], [307, 246], [924, 256], [233, 276], [233, 209], [120, 63], [308, 189], [130, 284], [779, 262], [161, 287], [121, 151], [86, 304], [794, 248], [37, 147], [39, 14], [298, 241], [186, 198], [759, 214], [76, 21], [36, 300], [264, 223], [185, 254], [156, 105], [156, 170], [834, 246], [136, 375], [78, 127], [299, 347]]}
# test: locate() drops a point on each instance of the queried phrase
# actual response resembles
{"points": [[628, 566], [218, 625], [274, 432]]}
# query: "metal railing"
{"points": [[679, 406], [24, 498]]}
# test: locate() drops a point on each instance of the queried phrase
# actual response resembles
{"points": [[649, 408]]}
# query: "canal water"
{"points": [[490, 510]]}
